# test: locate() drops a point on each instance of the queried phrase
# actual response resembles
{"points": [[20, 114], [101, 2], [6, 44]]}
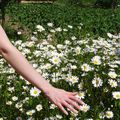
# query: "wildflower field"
{"points": [[68, 58]]}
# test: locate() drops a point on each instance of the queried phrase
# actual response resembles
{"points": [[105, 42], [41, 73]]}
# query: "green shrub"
{"points": [[95, 21], [106, 3]]}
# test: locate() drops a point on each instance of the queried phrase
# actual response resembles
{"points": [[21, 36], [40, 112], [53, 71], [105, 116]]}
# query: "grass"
{"points": [[96, 21]]}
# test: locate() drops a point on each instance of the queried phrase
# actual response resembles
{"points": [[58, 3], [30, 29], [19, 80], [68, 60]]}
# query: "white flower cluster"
{"points": [[88, 65]]}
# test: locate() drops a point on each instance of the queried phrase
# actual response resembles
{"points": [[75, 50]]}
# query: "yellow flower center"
{"points": [[108, 114], [118, 96], [85, 67], [55, 60], [35, 92], [95, 62]]}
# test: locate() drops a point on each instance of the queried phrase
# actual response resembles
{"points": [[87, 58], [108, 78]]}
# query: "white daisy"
{"points": [[50, 24], [77, 50], [96, 60], [55, 60], [73, 67], [65, 30], [85, 67], [109, 114], [59, 116], [73, 38], [80, 86], [33, 38], [52, 31], [73, 79], [40, 28], [109, 35], [18, 118], [9, 103], [30, 112], [85, 108], [35, 92], [101, 115], [112, 83], [39, 107], [67, 42], [116, 94], [70, 26], [53, 106], [19, 32], [18, 105], [14, 98], [112, 74], [97, 82], [81, 95], [47, 66], [59, 29]]}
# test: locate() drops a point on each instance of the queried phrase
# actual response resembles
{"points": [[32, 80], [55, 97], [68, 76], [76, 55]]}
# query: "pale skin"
{"points": [[61, 98]]}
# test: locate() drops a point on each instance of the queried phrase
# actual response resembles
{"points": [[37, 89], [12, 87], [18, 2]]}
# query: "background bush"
{"points": [[107, 3]]}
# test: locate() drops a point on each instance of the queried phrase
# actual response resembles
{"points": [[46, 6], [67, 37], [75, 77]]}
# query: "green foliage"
{"points": [[77, 2], [96, 21]]}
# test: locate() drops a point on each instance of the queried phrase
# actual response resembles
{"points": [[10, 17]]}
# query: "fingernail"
{"points": [[76, 112], [83, 103], [66, 113]]}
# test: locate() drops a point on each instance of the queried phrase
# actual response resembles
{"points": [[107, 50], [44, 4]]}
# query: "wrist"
{"points": [[47, 88]]}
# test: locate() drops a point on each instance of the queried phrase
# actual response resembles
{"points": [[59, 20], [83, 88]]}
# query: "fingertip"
{"points": [[66, 113], [80, 107], [82, 102]]}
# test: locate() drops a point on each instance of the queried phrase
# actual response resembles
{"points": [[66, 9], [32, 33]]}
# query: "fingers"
{"points": [[62, 108], [73, 103], [77, 100], [70, 107]]}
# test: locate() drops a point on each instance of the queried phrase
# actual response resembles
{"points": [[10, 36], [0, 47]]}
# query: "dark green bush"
{"points": [[3, 5], [106, 3], [102, 3]]}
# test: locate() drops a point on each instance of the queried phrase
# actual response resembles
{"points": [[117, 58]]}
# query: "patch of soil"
{"points": [[17, 26]]}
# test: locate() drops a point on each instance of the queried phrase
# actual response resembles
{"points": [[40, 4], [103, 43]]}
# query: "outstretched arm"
{"points": [[14, 57]]}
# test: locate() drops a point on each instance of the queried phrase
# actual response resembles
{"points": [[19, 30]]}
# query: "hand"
{"points": [[62, 98]]}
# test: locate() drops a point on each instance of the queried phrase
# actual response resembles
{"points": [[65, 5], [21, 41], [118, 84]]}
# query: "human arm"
{"points": [[14, 57]]}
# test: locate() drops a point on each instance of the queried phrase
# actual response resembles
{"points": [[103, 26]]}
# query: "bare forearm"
{"points": [[24, 68]]}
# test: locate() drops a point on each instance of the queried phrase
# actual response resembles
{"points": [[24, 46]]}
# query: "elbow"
{"points": [[2, 50], [7, 50]]}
